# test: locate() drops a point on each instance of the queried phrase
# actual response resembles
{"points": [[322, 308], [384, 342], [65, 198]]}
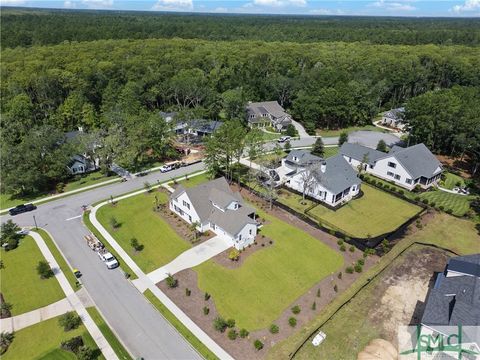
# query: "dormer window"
{"points": [[295, 158]]}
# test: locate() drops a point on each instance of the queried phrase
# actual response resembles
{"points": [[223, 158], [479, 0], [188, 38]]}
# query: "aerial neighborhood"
{"points": [[182, 181]]}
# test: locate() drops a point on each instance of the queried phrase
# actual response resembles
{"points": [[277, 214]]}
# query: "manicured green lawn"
{"points": [[20, 285], [375, 213], [161, 243], [109, 335], [59, 258], [337, 132], [42, 341], [193, 180], [270, 136], [451, 181], [270, 279], [182, 329]]}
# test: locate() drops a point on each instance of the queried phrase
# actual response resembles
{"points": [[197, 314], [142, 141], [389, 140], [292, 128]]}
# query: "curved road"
{"points": [[140, 327]]}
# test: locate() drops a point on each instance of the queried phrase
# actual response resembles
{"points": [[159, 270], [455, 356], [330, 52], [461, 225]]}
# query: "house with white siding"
{"points": [[267, 113], [214, 206], [331, 181], [406, 167]]}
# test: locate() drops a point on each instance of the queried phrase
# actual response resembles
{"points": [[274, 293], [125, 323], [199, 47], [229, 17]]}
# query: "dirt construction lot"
{"points": [[395, 297]]}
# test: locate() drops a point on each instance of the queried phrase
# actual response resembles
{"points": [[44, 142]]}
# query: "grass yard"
{"points": [[451, 181], [337, 132], [375, 213], [7, 201], [460, 236], [193, 180], [271, 278], [182, 329], [269, 136], [109, 335], [21, 286], [42, 341], [161, 243]]}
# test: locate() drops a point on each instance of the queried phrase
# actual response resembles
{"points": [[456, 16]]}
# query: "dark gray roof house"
{"points": [[271, 110], [335, 174], [466, 265], [211, 202], [358, 152], [301, 158], [417, 160], [395, 114]]}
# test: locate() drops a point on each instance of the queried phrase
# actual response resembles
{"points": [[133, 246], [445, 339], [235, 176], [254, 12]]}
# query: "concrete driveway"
{"points": [[192, 257]]}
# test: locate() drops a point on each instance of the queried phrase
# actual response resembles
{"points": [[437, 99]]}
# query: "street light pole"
{"points": [[35, 221]]}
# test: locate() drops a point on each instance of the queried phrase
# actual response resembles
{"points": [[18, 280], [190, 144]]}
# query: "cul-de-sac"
{"points": [[249, 180]]}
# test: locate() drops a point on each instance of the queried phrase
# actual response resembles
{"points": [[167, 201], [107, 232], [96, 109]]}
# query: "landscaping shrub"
{"points": [[60, 187], [12, 243], [44, 270], [258, 345], [243, 333], [206, 310], [449, 211], [335, 288], [441, 207], [296, 309], [6, 339], [433, 204], [401, 192], [425, 201], [361, 262], [207, 296], [349, 270], [219, 324], [292, 322], [231, 323], [85, 353], [69, 321], [73, 344], [373, 182], [358, 268], [387, 187], [171, 281], [332, 232], [5, 308], [417, 198], [114, 223], [339, 241], [136, 245], [351, 248], [343, 247], [234, 255], [319, 293], [188, 292], [314, 306], [274, 329], [232, 334]]}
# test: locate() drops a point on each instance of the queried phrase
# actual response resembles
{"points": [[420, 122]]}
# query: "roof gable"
{"points": [[357, 152], [417, 160], [338, 175]]}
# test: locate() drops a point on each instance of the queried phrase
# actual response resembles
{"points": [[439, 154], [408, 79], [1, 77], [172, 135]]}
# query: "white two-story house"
{"points": [[214, 206], [406, 167], [331, 181]]}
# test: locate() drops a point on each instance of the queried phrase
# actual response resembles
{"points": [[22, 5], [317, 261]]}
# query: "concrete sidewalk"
{"points": [[191, 258], [74, 300], [33, 317], [144, 282]]}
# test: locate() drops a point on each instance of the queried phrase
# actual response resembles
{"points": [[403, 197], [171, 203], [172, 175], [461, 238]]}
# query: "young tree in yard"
{"points": [[171, 281], [223, 147], [86, 353], [291, 131], [44, 270], [135, 244], [382, 146], [147, 186], [266, 182], [318, 148], [287, 147], [361, 167], [69, 321], [254, 144], [308, 179], [6, 339], [194, 228], [343, 138], [9, 236]]}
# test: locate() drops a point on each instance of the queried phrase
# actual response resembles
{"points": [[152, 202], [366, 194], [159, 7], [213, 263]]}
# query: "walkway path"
{"points": [[144, 282], [300, 129], [191, 258], [74, 300], [33, 317]]}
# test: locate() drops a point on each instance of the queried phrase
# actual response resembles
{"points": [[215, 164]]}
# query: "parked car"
{"points": [[319, 338], [21, 209], [24, 231], [284, 139], [108, 259]]}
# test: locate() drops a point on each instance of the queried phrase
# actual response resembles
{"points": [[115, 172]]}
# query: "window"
{"points": [[408, 181], [392, 165], [240, 237], [186, 204], [189, 218], [389, 173], [250, 232], [371, 166], [397, 177], [349, 159]]}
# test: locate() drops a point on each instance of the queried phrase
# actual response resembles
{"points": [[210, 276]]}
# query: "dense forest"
{"points": [[22, 27], [115, 90]]}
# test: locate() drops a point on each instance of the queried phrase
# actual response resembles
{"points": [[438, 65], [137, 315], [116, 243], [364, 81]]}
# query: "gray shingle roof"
{"points": [[218, 191], [417, 160], [469, 264], [338, 175], [357, 152], [268, 107], [454, 301], [304, 157], [396, 114]]}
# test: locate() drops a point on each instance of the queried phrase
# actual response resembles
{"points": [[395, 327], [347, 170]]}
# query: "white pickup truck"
{"points": [[108, 259]]}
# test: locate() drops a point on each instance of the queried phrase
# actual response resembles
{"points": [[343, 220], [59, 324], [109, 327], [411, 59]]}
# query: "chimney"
{"points": [[323, 166]]}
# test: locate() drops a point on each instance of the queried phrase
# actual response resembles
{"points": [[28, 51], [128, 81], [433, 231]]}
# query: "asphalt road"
{"points": [[141, 328]]}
